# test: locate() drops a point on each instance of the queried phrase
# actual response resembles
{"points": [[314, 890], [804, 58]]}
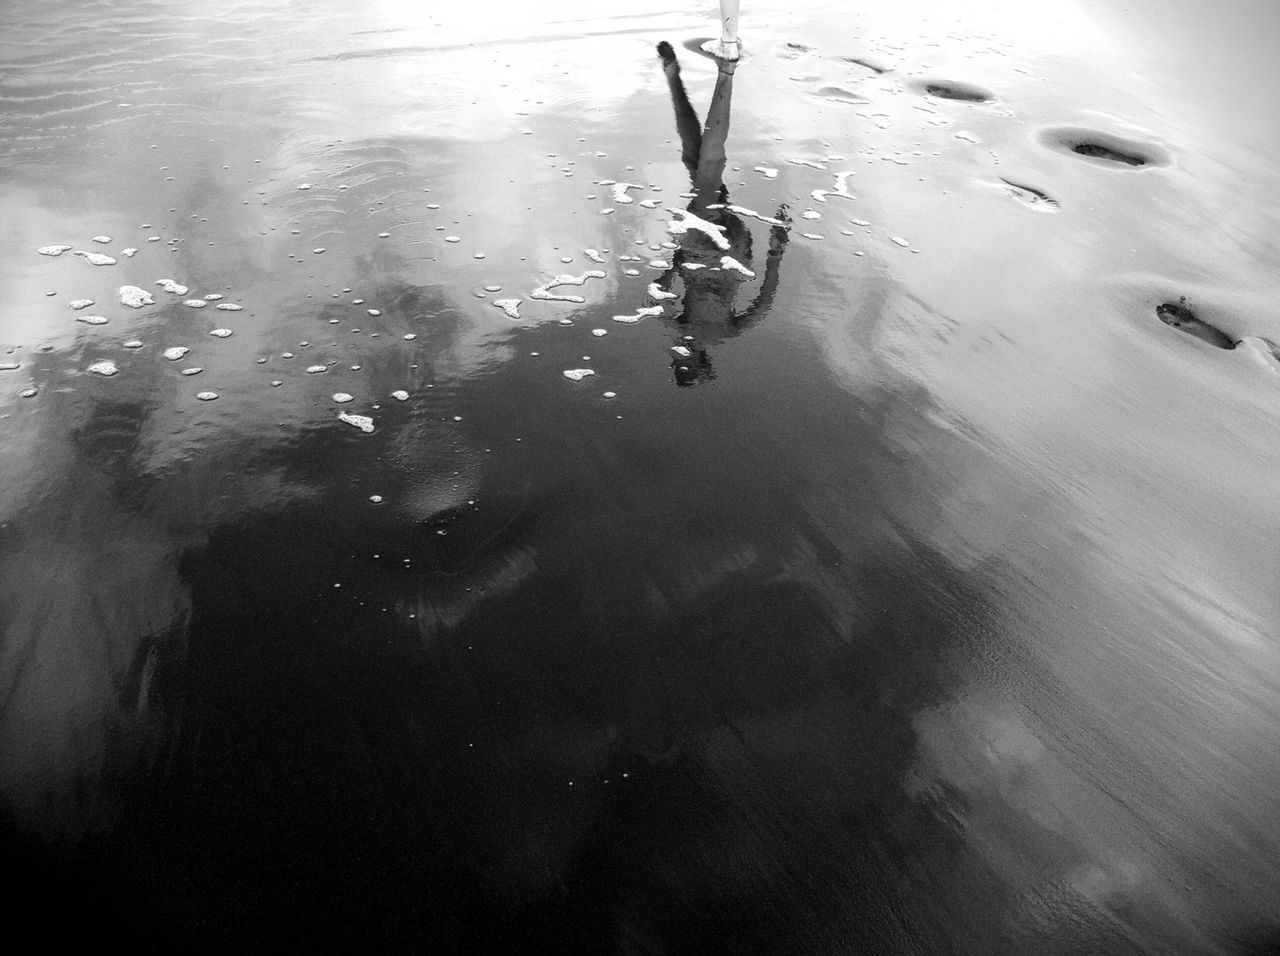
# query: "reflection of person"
{"points": [[728, 47], [714, 257]]}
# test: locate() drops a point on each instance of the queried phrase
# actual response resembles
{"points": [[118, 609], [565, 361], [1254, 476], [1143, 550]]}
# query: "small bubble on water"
{"points": [[206, 396], [221, 333], [133, 344], [29, 392], [194, 370]]}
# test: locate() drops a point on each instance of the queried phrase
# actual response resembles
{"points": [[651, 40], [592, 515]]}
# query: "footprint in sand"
{"points": [[866, 64], [1182, 318], [1030, 196], [954, 90], [1107, 148]]}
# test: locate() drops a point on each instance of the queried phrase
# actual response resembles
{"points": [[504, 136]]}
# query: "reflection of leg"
{"points": [[711, 158], [728, 47], [686, 119]]}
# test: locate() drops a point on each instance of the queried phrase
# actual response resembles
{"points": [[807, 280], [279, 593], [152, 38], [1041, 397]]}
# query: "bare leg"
{"points": [[728, 47]]}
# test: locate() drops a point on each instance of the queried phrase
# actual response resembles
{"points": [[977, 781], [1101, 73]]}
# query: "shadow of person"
{"points": [[714, 257]]}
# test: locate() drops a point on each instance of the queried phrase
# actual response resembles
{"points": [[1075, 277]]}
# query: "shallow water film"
{"points": [[498, 480]]}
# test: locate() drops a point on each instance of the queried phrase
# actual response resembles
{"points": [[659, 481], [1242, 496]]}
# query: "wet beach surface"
{"points": [[402, 548]]}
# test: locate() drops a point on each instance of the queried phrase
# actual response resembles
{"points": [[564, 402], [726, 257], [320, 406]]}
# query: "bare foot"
{"points": [[728, 50]]}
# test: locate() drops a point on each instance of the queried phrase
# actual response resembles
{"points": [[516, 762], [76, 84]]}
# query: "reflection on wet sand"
{"points": [[715, 252]]}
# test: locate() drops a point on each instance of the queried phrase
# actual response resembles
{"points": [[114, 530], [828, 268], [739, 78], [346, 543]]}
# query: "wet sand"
{"points": [[454, 501]]}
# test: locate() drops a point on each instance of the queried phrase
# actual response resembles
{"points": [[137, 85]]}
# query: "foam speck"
{"points": [[362, 422], [649, 310], [134, 297], [228, 306], [194, 370], [129, 253], [221, 333], [599, 332], [53, 250], [681, 351], [105, 367], [132, 344], [316, 369], [206, 396], [768, 171], [510, 306], [9, 366], [452, 238], [400, 395], [744, 211], [80, 303], [626, 319], [195, 303], [213, 296], [29, 392], [102, 239], [593, 255], [657, 293], [92, 319], [578, 374], [95, 258], [410, 336], [899, 241], [168, 285], [175, 353]]}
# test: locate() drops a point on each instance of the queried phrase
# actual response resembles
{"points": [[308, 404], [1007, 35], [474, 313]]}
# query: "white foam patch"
{"points": [[400, 395], [598, 333], [841, 189], [105, 367], [316, 369], [92, 319], [132, 344], [53, 250], [649, 310], [627, 319], [102, 239], [658, 293], [228, 306], [175, 353], [9, 366], [195, 303], [968, 137], [744, 211], [768, 171], [221, 333], [899, 241], [808, 162], [689, 221], [650, 203], [80, 303], [510, 306], [95, 258], [213, 296], [206, 396], [544, 291], [343, 397], [134, 297], [693, 266], [729, 262], [593, 255], [811, 214], [620, 192], [681, 351], [194, 370], [659, 264], [168, 285], [129, 253], [812, 235], [578, 374], [362, 422], [30, 392]]}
